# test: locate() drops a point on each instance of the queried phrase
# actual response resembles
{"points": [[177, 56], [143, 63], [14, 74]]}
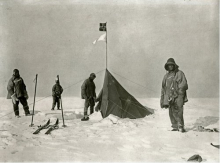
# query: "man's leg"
{"points": [[91, 109], [172, 118], [25, 105], [54, 103], [86, 105], [58, 103], [98, 106], [178, 112], [16, 108], [91, 104], [181, 117]]}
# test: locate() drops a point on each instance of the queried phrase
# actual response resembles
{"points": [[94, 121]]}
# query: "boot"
{"points": [[27, 113], [182, 130], [85, 119], [174, 129]]}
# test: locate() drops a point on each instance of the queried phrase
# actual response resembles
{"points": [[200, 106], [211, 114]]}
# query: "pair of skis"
{"points": [[48, 126]]}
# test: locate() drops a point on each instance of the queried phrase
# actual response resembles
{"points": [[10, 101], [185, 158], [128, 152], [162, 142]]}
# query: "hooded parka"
{"points": [[173, 93]]}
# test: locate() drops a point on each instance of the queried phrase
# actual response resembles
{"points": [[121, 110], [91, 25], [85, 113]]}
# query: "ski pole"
{"points": [[61, 104], [34, 102], [62, 111]]}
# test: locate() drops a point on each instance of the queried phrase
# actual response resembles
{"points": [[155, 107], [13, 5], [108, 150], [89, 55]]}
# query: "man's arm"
{"points": [[99, 98], [95, 92], [10, 87], [53, 90], [25, 89], [83, 90], [163, 85], [24, 86], [61, 89], [182, 82]]}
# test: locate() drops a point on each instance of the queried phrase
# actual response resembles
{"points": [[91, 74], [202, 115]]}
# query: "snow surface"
{"points": [[111, 139]]}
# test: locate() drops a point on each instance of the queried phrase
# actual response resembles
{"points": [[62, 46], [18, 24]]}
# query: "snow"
{"points": [[111, 139]]}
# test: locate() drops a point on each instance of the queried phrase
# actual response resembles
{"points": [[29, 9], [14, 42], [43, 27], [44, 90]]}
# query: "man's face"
{"points": [[16, 73], [92, 77], [170, 67]]}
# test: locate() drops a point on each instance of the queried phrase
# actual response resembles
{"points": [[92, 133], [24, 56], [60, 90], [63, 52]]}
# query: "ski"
{"points": [[53, 127], [217, 146], [42, 127]]}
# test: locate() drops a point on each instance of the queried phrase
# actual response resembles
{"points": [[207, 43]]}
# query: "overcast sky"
{"points": [[55, 37]]}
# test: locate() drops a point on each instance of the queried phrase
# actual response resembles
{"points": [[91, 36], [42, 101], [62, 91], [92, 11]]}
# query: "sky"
{"points": [[52, 38]]}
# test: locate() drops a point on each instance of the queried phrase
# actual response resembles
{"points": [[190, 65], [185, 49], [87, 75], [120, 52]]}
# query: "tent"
{"points": [[114, 99]]}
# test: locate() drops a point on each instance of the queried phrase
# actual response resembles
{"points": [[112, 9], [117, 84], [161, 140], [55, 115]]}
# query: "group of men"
{"points": [[173, 94], [18, 93]]}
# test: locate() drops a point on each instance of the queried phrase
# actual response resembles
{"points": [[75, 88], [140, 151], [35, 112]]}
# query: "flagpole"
{"points": [[106, 48]]}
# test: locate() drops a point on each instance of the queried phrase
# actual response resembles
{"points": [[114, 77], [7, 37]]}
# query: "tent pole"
{"points": [[106, 48]]}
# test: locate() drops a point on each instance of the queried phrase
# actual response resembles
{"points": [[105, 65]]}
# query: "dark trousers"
{"points": [[23, 101], [176, 112], [89, 103], [56, 100]]}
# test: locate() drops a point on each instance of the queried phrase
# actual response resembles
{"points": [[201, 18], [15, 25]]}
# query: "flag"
{"points": [[102, 27], [101, 38], [34, 80]]}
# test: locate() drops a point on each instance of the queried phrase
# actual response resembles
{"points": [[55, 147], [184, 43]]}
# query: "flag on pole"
{"points": [[34, 80], [101, 38], [102, 27]]}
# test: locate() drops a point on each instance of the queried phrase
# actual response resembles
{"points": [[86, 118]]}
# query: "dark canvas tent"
{"points": [[114, 99]]}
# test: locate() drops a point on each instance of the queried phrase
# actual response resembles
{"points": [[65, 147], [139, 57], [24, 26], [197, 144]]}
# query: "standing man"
{"points": [[18, 93], [88, 93], [173, 94], [57, 90]]}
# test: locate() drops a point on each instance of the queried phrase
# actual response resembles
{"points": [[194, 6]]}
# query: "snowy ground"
{"points": [[141, 140]]}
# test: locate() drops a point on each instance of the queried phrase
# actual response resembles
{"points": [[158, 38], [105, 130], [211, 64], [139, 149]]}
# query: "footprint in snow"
{"points": [[9, 141], [72, 141], [91, 135], [145, 141], [28, 135], [13, 152], [104, 137], [105, 142], [169, 146], [131, 139], [126, 133], [126, 148], [79, 154], [29, 145], [167, 151], [146, 146]]}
